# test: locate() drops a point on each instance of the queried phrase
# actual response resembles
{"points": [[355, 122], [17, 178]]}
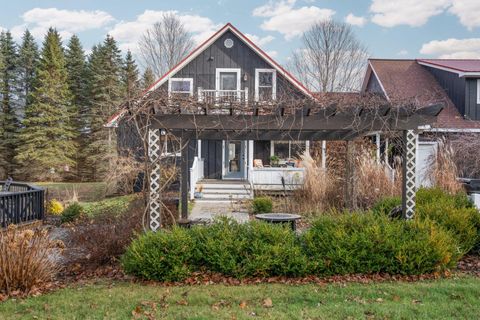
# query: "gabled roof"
{"points": [[408, 80], [112, 122], [462, 67]]}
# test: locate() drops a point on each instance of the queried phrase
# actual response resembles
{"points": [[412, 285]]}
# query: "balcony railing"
{"points": [[220, 97]]}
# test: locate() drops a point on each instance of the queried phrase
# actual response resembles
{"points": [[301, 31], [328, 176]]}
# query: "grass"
{"points": [[441, 299], [114, 205], [86, 191]]}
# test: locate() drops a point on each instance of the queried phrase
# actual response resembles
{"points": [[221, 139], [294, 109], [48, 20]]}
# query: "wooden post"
{"points": [[155, 205], [408, 177], [350, 194], [184, 180]]}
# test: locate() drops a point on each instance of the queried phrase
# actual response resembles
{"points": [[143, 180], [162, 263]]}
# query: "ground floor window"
{"points": [[286, 152]]}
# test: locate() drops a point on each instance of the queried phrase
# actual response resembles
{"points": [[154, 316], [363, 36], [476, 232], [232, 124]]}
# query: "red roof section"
{"points": [[408, 80], [462, 65]]}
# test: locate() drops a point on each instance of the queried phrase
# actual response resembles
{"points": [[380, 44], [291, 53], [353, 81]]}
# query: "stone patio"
{"points": [[210, 210]]}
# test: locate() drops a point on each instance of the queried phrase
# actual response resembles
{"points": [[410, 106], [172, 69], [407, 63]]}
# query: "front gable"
{"points": [[230, 49]]}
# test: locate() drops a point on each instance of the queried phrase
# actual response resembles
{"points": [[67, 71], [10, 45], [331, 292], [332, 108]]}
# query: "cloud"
{"points": [[468, 11], [272, 53], [67, 22], [414, 13], [260, 41], [355, 21], [283, 17], [453, 48], [128, 33]]}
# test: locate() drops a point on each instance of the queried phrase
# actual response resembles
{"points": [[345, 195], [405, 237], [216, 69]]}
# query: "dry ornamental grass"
{"points": [[26, 259]]}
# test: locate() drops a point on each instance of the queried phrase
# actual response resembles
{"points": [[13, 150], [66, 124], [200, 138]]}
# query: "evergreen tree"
{"points": [[9, 105], [2, 151], [148, 78], [106, 93], [27, 64], [47, 139], [130, 78], [77, 73]]}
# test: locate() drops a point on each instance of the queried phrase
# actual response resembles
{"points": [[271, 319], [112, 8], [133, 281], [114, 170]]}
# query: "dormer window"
{"points": [[265, 84], [182, 87]]}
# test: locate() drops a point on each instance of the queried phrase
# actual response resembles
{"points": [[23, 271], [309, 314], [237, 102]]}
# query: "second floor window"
{"points": [[180, 87], [265, 84]]}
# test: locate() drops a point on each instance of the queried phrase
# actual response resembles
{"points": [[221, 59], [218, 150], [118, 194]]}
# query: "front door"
{"points": [[234, 159]]}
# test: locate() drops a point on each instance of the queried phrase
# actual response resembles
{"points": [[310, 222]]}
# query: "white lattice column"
{"points": [[155, 205], [409, 166]]}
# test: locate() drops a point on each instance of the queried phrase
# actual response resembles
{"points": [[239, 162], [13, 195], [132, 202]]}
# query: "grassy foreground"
{"points": [[441, 299]]}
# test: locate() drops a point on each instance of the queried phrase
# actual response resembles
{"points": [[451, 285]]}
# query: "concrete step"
{"points": [[226, 196], [225, 186], [226, 191]]}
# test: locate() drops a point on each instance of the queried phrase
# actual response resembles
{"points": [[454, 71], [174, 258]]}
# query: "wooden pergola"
{"points": [[312, 123]]}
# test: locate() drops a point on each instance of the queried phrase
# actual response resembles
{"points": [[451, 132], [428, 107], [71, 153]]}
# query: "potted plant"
{"points": [[274, 161], [198, 194]]}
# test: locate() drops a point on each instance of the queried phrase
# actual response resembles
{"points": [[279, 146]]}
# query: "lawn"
{"points": [[85, 191], [441, 299]]}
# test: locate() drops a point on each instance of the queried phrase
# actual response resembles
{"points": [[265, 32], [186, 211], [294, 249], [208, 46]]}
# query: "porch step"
{"points": [[224, 190]]}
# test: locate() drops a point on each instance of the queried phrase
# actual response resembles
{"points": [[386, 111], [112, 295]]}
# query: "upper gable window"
{"points": [[228, 43], [265, 84], [182, 86]]}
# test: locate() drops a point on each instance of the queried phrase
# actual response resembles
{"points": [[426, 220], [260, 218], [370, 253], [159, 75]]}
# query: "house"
{"points": [[454, 83], [230, 68]]}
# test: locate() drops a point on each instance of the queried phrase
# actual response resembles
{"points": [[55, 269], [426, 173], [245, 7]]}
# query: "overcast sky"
{"points": [[390, 29]]}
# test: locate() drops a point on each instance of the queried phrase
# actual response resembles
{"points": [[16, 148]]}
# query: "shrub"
{"points": [[72, 212], [262, 205], [54, 207], [163, 256], [386, 205], [105, 237], [370, 243], [252, 249], [25, 259]]}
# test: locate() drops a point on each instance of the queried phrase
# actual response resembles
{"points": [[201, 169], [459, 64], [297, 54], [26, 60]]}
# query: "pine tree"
{"points": [[2, 151], [130, 78], [106, 93], [47, 145], [77, 73], [9, 105], [27, 64], [148, 78]]}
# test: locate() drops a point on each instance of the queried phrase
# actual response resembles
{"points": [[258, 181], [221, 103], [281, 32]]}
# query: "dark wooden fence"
{"points": [[21, 203]]}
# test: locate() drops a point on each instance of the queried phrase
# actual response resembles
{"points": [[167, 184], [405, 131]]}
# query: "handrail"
{"points": [[196, 174], [220, 96]]}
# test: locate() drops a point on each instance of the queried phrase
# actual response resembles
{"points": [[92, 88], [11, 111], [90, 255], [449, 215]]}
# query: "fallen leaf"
{"points": [[243, 304], [137, 312], [379, 300], [415, 301], [396, 298], [182, 302], [267, 303]]}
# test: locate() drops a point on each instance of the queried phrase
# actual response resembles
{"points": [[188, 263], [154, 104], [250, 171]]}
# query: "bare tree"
{"points": [[165, 44], [331, 58]]}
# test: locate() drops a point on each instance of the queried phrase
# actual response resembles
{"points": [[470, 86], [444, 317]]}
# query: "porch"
{"points": [[310, 123]]}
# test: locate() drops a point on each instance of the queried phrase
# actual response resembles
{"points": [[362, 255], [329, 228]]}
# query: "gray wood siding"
{"points": [[202, 68], [212, 155], [373, 85], [472, 108], [453, 86]]}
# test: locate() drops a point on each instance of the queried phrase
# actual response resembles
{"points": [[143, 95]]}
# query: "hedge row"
{"points": [[363, 242]]}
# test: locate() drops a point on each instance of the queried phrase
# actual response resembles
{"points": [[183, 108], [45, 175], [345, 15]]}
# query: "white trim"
{"points": [[257, 83], [478, 91], [190, 80], [461, 74], [209, 42], [238, 71], [379, 81], [454, 130]]}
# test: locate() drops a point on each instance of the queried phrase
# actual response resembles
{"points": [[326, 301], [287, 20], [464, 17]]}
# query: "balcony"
{"points": [[223, 97]]}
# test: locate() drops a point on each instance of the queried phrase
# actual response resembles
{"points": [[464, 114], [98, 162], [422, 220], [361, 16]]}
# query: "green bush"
{"points": [[371, 243], [385, 205], [252, 249], [262, 205], [163, 256], [72, 212]]}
